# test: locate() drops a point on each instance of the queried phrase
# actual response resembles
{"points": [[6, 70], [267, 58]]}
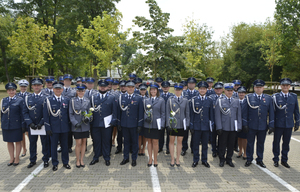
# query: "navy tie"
{"points": [[152, 100], [58, 100], [259, 97], [178, 100]]}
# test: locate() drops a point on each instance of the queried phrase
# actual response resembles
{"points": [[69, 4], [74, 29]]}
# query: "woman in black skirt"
{"points": [[177, 120], [12, 109], [80, 123], [142, 140], [154, 118], [242, 136]]}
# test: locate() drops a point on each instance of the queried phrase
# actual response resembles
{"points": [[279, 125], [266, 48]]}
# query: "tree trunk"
{"points": [[95, 73], [5, 62]]}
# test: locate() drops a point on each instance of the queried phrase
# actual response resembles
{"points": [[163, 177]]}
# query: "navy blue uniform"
{"points": [[286, 117], [12, 119], [22, 95], [34, 114], [255, 117], [189, 95], [162, 137], [101, 136], [210, 92], [201, 121], [131, 114], [56, 119]]}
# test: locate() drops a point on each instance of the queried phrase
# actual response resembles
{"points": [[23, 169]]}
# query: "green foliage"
{"points": [[163, 56], [31, 42]]}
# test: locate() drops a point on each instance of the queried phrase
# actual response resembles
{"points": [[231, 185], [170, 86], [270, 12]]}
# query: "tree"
{"points": [[6, 29], [31, 42], [163, 51], [102, 39]]}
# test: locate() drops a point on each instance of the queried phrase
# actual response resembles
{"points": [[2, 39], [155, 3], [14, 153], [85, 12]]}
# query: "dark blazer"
{"points": [[158, 111], [75, 109], [13, 116]]}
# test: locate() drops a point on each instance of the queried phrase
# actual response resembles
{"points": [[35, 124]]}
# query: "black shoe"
{"points": [[124, 161], [236, 149], [195, 164], [59, 149], [67, 166], [214, 154], [133, 163], [15, 164], [70, 150], [183, 153], [10, 164], [276, 164], [167, 152], [118, 151], [78, 166], [244, 158], [206, 164], [142, 154], [31, 164], [155, 165], [139, 154], [107, 163], [172, 165], [285, 164], [83, 166], [239, 156], [221, 164], [260, 163], [230, 164], [54, 168], [160, 150], [248, 163], [46, 164], [178, 165], [93, 162], [149, 165]]}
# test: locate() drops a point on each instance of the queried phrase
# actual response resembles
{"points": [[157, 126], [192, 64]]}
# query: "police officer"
{"points": [[189, 94], [110, 81], [90, 83], [184, 83], [78, 80], [138, 81], [132, 76], [131, 114], [61, 79], [12, 110], [69, 92], [122, 85], [177, 121], [218, 88], [237, 83], [80, 124], [210, 82], [49, 88], [286, 117], [201, 122], [166, 94], [105, 106], [258, 107], [23, 83], [159, 80], [242, 136], [84, 80], [154, 119], [142, 140], [115, 86], [34, 119], [228, 119], [56, 120]]}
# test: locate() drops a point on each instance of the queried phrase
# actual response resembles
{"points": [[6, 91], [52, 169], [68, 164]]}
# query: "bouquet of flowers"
{"points": [[173, 121], [86, 116], [148, 112]]}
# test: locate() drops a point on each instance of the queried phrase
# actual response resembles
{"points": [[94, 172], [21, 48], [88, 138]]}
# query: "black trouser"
{"points": [[70, 140], [226, 140]]}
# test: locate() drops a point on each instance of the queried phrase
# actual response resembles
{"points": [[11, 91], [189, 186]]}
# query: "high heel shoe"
{"points": [[10, 164], [78, 166], [155, 165], [23, 155], [178, 165], [149, 165]]}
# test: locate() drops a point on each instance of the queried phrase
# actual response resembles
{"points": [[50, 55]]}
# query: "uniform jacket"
{"points": [[131, 112], [286, 110], [70, 93], [158, 111], [201, 114], [22, 95], [210, 92], [13, 118], [47, 92], [76, 107], [257, 112], [190, 94], [60, 123], [88, 93], [183, 111], [228, 116]]}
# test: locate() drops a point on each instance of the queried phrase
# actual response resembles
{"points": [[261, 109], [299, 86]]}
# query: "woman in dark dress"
{"points": [[80, 124], [242, 136], [12, 109], [154, 118]]}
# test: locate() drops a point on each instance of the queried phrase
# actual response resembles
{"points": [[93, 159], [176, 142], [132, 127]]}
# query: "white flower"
{"points": [[173, 113], [148, 106], [91, 109]]}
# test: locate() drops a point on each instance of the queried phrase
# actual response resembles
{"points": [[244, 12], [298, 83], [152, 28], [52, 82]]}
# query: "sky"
{"points": [[220, 15]]}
